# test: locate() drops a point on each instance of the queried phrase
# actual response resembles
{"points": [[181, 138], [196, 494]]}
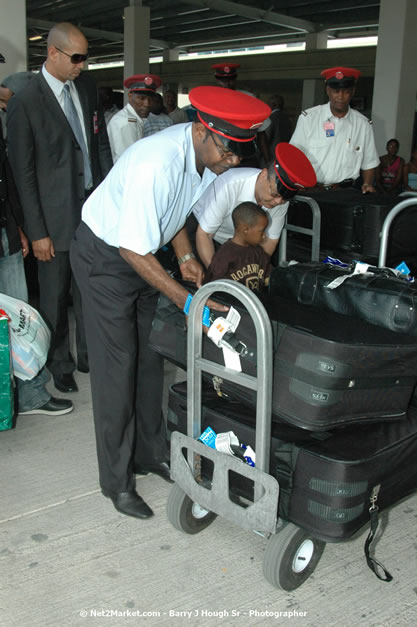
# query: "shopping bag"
{"points": [[30, 337], [6, 375]]}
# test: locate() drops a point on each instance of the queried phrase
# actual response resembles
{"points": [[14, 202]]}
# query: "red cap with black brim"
{"points": [[225, 70], [233, 116], [293, 170], [340, 77], [143, 82]]}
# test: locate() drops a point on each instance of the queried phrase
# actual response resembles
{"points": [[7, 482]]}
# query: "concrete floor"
{"points": [[69, 558]]}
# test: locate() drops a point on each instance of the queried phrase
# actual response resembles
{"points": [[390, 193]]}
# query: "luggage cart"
{"points": [[291, 554]]}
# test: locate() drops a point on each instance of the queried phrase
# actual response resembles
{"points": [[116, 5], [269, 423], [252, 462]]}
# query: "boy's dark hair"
{"points": [[247, 213]]}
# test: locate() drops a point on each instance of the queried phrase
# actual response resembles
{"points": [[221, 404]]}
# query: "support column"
{"points": [[313, 89], [136, 38], [395, 86], [13, 43]]}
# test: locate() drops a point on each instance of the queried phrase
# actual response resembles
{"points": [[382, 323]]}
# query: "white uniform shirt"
{"points": [[339, 156], [124, 129], [147, 195], [214, 209]]}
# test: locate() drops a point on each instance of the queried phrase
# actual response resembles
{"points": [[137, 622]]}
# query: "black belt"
{"points": [[328, 187]]}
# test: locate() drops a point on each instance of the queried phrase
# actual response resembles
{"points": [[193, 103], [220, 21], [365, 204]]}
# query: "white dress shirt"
{"points": [[214, 209], [124, 129], [146, 197], [338, 148]]}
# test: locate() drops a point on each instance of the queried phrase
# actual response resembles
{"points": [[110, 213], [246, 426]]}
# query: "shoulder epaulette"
{"points": [[304, 113]]}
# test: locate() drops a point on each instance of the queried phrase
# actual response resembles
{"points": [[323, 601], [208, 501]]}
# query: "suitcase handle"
{"points": [[403, 312], [308, 285]]}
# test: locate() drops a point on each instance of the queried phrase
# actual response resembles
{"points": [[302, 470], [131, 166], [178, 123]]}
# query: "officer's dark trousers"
{"points": [[126, 376]]}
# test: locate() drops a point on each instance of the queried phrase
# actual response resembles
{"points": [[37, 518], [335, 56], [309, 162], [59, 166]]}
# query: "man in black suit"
{"points": [[59, 152]]}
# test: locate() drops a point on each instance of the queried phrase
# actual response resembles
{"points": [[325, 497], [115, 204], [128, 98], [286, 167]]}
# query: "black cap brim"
{"points": [[244, 150]]}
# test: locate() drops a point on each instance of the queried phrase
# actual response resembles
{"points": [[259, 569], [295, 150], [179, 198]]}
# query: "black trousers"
{"points": [[55, 283], [126, 375]]}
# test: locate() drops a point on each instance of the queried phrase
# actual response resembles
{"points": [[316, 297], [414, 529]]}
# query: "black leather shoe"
{"points": [[65, 382], [83, 367], [54, 407], [130, 503], [162, 469]]}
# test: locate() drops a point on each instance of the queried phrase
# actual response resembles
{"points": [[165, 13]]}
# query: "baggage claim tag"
{"points": [[218, 329]]}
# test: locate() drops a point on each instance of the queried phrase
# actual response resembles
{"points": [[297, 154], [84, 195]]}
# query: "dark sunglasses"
{"points": [[76, 57]]}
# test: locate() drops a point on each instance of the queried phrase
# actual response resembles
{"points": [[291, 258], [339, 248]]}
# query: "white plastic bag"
{"points": [[30, 337]]}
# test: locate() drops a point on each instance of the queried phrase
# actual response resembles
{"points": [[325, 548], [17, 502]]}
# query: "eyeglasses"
{"points": [[225, 154], [76, 57]]}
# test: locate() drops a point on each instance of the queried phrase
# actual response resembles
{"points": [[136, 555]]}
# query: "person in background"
{"points": [[140, 207], [410, 174], [242, 258], [32, 395], [337, 139], [389, 173], [59, 152], [176, 114], [280, 129], [127, 126], [110, 108], [158, 118]]}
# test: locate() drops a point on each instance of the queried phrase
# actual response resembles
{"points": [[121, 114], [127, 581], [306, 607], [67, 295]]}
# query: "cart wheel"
{"points": [[186, 515], [290, 557]]}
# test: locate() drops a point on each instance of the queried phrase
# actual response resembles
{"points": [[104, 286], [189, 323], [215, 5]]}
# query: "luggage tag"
{"points": [[360, 268], [216, 333]]}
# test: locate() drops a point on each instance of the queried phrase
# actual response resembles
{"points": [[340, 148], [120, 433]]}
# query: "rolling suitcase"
{"points": [[329, 370], [326, 480]]}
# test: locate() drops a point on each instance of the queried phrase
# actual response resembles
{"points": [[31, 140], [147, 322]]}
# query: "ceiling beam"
{"points": [[263, 16], [96, 33]]}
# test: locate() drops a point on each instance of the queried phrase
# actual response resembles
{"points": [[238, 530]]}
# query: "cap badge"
{"points": [[147, 80], [339, 75]]}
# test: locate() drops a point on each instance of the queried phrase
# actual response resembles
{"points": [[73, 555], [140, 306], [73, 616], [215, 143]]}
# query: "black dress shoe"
{"points": [[162, 469], [130, 503], [54, 407], [65, 382], [83, 367]]}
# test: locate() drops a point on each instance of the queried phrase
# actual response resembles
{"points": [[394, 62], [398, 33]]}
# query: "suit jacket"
{"points": [[47, 161], [11, 215]]}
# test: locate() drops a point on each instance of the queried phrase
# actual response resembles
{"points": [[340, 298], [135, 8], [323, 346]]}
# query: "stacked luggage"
{"points": [[342, 425]]}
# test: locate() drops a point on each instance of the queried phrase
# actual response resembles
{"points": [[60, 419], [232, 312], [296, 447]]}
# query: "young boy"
{"points": [[241, 258]]}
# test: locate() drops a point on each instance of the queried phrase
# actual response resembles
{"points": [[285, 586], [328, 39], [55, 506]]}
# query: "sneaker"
{"points": [[54, 407]]}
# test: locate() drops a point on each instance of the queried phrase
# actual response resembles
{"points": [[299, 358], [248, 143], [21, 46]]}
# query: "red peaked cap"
{"points": [[230, 114], [143, 82], [225, 70], [293, 170], [341, 76]]}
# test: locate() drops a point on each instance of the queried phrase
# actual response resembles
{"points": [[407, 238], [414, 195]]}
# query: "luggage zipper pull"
{"points": [[373, 498]]}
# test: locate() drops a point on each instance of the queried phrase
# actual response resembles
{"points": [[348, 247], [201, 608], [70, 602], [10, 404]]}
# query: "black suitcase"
{"points": [[325, 486], [384, 300], [329, 370], [326, 480], [351, 224]]}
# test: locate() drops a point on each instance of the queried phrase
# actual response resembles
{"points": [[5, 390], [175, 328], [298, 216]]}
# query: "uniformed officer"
{"points": [[338, 140], [288, 174], [126, 126], [141, 206], [226, 74]]}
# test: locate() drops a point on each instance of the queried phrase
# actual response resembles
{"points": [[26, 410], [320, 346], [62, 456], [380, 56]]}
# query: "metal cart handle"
{"points": [[382, 258], [262, 383], [314, 232]]}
